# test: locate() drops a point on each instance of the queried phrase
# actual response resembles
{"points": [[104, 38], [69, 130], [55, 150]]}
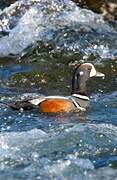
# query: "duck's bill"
{"points": [[99, 74]]}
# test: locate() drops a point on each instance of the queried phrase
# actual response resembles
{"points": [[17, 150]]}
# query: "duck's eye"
{"points": [[89, 69]]}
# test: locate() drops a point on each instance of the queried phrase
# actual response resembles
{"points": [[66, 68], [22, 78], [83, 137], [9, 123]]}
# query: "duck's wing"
{"points": [[26, 103], [29, 104]]}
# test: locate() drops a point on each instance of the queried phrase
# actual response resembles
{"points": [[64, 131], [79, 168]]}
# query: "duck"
{"points": [[77, 101]]}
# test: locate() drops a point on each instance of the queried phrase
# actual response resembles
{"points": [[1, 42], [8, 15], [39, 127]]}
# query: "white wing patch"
{"points": [[37, 101]]}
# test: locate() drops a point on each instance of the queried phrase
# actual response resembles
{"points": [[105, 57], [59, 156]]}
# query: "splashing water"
{"points": [[59, 24]]}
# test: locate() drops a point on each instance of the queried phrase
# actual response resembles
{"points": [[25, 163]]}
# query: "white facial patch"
{"points": [[81, 73], [93, 70]]}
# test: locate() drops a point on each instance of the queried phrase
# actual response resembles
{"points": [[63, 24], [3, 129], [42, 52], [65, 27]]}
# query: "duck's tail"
{"points": [[25, 105], [9, 105]]}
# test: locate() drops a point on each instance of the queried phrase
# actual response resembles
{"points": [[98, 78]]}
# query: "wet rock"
{"points": [[89, 4], [107, 7], [109, 10], [6, 3]]}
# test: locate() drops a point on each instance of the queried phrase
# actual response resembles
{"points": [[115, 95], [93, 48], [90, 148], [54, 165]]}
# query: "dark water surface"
{"points": [[40, 44]]}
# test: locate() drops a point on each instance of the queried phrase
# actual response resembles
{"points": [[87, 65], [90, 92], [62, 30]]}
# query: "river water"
{"points": [[40, 44]]}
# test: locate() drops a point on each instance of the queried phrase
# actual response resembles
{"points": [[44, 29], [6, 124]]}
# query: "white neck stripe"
{"points": [[80, 96]]}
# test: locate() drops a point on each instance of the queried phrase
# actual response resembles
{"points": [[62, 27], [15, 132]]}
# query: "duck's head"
{"points": [[81, 75]]}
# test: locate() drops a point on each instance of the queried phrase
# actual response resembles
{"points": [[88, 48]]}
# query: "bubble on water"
{"points": [[101, 135], [8, 127], [109, 140], [35, 156], [115, 149]]}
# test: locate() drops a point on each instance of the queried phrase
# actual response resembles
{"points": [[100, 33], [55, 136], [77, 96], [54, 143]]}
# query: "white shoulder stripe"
{"points": [[57, 97], [41, 99], [80, 96]]}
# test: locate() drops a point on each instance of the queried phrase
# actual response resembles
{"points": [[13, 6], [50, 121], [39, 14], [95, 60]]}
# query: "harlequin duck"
{"points": [[78, 100]]}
